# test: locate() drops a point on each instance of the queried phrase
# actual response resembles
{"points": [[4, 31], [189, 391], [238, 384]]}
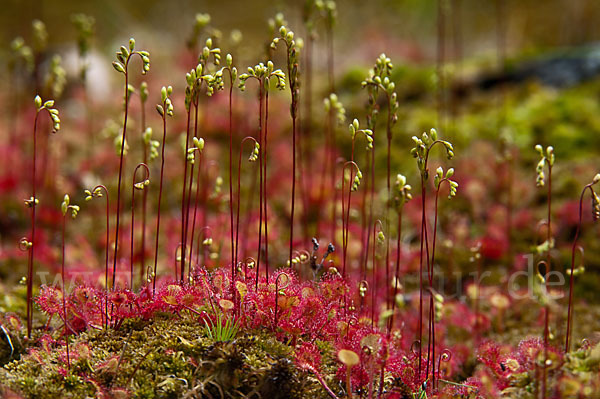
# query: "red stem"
{"points": [[187, 223], [195, 211], [374, 263], [204, 179], [574, 247], [389, 196], [143, 165], [233, 249], [441, 56], [364, 231], [101, 186], [431, 343], [346, 212], [183, 189], [293, 110], [548, 267], [117, 224], [324, 384], [260, 168], [249, 206], [162, 168], [31, 254], [237, 223], [424, 240], [328, 154], [144, 198], [397, 273], [266, 199], [64, 293], [332, 146], [420, 325]]}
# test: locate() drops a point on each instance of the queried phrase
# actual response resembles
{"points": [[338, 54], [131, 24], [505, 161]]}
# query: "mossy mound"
{"points": [[165, 357]]}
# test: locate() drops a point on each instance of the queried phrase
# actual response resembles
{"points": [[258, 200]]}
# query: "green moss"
{"points": [[163, 358]]}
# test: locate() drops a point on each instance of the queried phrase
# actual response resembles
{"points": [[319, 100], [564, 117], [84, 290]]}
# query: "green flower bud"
{"points": [[433, 134], [124, 52], [200, 144], [65, 204], [539, 149], [118, 66]]}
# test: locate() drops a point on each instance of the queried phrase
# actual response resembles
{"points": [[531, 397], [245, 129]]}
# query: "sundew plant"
{"points": [[311, 199]]}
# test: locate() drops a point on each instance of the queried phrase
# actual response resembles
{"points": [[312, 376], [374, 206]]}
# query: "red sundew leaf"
{"points": [[308, 357], [50, 300], [493, 248]]}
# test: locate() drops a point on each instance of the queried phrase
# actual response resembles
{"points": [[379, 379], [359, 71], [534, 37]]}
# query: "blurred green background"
{"points": [[530, 24]]}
